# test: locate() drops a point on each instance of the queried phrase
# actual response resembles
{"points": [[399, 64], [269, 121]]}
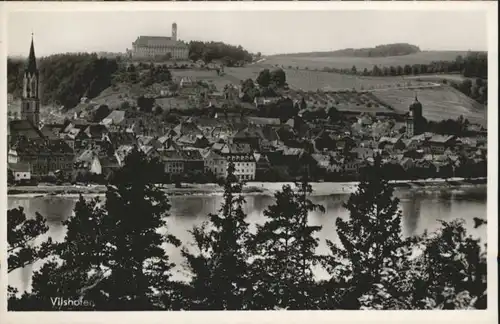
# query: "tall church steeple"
{"points": [[31, 67], [30, 105]]}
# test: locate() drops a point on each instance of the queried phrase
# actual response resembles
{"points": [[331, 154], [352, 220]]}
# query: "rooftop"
{"points": [[19, 167], [157, 41]]}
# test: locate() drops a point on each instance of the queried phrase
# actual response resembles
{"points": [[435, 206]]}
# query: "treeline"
{"points": [[473, 65], [265, 85], [145, 74], [396, 49], [15, 71], [209, 51], [112, 262], [477, 89], [66, 78]]}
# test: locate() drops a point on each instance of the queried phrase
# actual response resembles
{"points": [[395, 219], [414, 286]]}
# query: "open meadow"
{"points": [[439, 102], [208, 76], [308, 80], [302, 62]]}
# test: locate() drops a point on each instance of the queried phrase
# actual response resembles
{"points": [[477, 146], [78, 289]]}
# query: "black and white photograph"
{"points": [[249, 160]]}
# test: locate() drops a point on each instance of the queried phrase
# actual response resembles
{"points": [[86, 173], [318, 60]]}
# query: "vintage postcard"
{"points": [[250, 157]]}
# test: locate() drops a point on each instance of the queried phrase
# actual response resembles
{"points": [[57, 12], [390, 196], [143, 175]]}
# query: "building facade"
{"points": [[46, 158], [149, 47]]}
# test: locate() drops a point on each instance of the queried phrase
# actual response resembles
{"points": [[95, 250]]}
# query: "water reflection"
{"points": [[411, 207], [420, 210]]}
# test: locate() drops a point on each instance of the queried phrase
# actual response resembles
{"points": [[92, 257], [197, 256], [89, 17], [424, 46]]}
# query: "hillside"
{"points": [[439, 102], [321, 62], [65, 78], [395, 49]]}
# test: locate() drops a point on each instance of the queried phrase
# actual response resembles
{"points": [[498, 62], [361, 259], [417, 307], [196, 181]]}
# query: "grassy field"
{"points": [[208, 76], [438, 103], [114, 96], [308, 80], [361, 62]]}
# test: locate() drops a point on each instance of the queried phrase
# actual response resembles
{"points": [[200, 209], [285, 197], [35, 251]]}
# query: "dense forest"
{"points": [[122, 263], [65, 78], [396, 49], [210, 51]]}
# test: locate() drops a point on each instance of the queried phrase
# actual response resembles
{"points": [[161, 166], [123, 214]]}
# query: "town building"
{"points": [[215, 163], [193, 161], [241, 156], [148, 47], [45, 157], [89, 162], [173, 162], [439, 143]]}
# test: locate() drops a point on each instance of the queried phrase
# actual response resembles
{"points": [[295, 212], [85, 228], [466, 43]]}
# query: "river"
{"points": [[421, 211]]}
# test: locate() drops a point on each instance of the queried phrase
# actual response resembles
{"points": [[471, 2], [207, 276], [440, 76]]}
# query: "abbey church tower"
{"points": [[30, 104], [415, 119], [174, 32]]}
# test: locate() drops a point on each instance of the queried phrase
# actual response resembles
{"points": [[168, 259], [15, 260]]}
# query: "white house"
{"points": [[12, 157], [186, 82], [89, 161], [21, 171], [215, 163]]}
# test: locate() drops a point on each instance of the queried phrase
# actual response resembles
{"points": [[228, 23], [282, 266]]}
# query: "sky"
{"points": [[268, 32]]}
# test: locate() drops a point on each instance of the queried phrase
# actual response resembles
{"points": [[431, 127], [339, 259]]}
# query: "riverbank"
{"points": [[251, 188]]}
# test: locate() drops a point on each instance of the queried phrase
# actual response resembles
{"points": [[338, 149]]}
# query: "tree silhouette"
{"points": [[370, 236], [113, 254], [285, 251], [219, 266]]}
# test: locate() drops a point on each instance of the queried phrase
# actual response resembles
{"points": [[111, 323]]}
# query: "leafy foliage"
{"points": [[100, 113], [65, 78], [264, 78], [22, 236], [15, 72], [210, 51], [477, 90]]}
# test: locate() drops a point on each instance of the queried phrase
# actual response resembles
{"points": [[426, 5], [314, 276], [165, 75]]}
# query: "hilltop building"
{"points": [[415, 120], [160, 46], [30, 104]]}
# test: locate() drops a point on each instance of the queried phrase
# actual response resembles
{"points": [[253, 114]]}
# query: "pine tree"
{"points": [[285, 251], [219, 266], [113, 254], [371, 238]]}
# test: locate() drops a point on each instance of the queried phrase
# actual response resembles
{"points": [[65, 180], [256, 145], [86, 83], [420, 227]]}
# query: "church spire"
{"points": [[32, 58]]}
